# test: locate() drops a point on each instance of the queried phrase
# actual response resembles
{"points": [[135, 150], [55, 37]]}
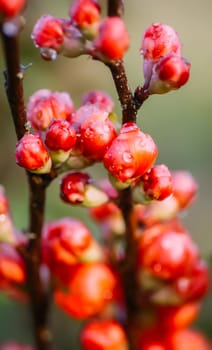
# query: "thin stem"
{"points": [[14, 83], [129, 110], [130, 103], [115, 8], [39, 296]]}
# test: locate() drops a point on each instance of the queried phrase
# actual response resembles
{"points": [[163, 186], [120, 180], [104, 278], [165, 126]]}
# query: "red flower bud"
{"points": [[44, 106], [160, 40], [187, 340], [96, 134], [178, 317], [60, 136], [12, 269], [112, 41], [84, 13], [10, 8], [184, 188], [157, 182], [103, 335], [170, 73], [195, 284], [48, 33], [32, 155], [131, 154], [167, 252], [63, 243], [77, 188], [90, 288], [100, 99], [73, 187]]}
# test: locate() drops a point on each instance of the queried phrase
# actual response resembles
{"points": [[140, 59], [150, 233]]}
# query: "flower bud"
{"points": [[90, 288], [45, 105], [170, 73], [167, 251], [85, 14], [178, 317], [112, 41], [12, 268], [187, 339], [48, 33], [11, 8], [184, 188], [32, 155], [160, 40], [104, 335], [60, 138], [131, 154], [100, 99], [157, 182], [77, 188], [64, 241], [195, 284], [96, 135]]}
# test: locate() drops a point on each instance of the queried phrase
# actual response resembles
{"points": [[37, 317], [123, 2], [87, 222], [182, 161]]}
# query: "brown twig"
{"points": [[39, 297], [13, 83], [130, 103]]}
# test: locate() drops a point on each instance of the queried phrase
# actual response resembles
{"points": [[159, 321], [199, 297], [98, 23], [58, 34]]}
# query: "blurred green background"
{"points": [[180, 123]]}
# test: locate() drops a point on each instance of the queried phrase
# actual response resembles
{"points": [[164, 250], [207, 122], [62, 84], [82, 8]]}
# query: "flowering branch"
{"points": [[37, 187]]}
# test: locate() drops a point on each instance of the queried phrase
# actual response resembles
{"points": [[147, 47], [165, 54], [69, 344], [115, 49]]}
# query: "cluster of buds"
{"points": [[170, 276], [85, 283], [64, 136], [164, 68], [84, 32]]}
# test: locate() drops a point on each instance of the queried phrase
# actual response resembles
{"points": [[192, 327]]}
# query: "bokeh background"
{"points": [[180, 122]]}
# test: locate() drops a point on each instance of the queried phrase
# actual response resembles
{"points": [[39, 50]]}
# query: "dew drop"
{"points": [[127, 157], [48, 54]]}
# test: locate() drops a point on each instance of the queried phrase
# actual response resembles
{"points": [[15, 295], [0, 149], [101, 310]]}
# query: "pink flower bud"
{"points": [[10, 8], [170, 73], [48, 33], [100, 99], [45, 105], [84, 13], [32, 155], [160, 40], [112, 41], [184, 188]]}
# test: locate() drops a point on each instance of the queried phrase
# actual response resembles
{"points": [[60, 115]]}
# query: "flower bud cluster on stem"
{"points": [[141, 286]]}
